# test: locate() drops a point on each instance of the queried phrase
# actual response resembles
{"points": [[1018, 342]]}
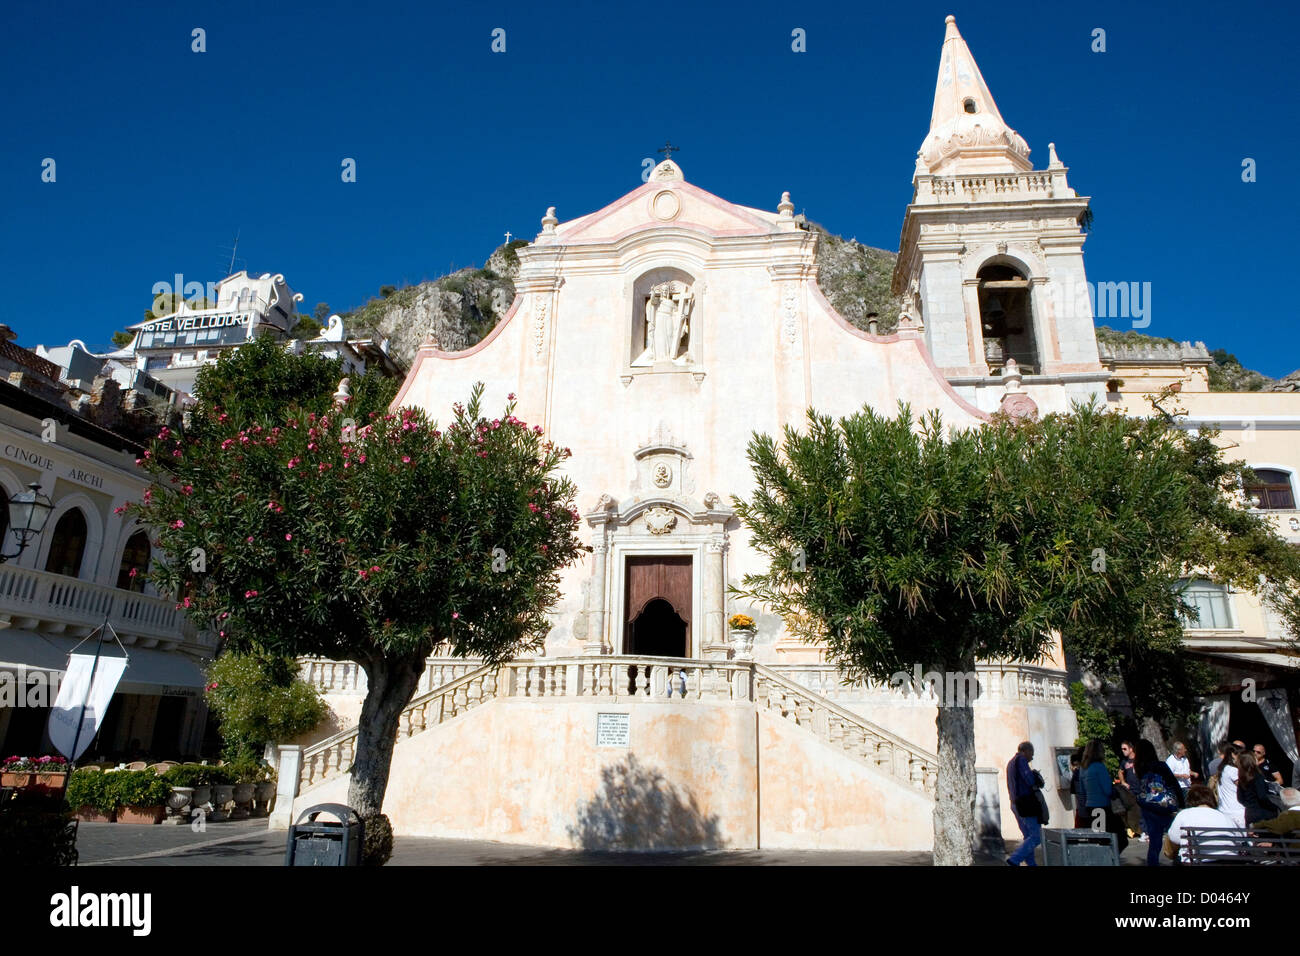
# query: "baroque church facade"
{"points": [[652, 337]]}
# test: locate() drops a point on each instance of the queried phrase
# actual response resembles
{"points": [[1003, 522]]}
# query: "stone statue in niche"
{"points": [[667, 324]]}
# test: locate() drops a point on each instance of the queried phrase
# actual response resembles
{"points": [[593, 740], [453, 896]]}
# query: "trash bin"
{"points": [[313, 843], [1079, 848]]}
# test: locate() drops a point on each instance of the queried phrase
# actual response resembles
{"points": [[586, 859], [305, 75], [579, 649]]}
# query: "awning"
{"points": [[148, 671], [19, 648]]}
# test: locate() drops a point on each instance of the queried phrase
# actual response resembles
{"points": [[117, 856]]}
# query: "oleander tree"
{"points": [[300, 527], [897, 542]]}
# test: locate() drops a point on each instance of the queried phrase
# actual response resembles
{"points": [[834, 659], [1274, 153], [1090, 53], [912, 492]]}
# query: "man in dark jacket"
{"points": [[1022, 785]]}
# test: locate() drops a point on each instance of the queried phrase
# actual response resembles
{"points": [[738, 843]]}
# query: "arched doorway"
{"points": [[68, 544], [657, 620]]}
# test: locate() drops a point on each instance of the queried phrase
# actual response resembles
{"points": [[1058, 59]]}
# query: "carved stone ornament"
{"points": [[660, 521], [663, 475]]}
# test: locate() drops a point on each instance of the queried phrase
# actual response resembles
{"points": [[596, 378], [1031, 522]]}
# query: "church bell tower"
{"points": [[990, 262]]}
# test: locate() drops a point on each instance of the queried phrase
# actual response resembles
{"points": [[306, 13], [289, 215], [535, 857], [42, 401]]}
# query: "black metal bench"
{"points": [[1222, 846]]}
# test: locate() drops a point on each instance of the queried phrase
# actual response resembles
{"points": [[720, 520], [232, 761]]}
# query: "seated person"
{"points": [[1201, 811]]}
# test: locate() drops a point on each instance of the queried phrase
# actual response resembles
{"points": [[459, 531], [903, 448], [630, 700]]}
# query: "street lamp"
{"points": [[28, 512]]}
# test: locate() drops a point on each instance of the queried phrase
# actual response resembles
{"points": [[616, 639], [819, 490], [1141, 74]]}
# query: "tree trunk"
{"points": [[392, 682], [954, 800]]}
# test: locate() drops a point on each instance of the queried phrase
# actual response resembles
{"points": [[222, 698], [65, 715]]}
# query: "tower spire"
{"points": [[967, 133]]}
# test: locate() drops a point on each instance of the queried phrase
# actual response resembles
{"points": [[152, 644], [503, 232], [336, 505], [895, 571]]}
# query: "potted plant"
{"points": [[223, 792], [264, 790], [140, 795], [45, 775], [742, 629], [88, 796]]}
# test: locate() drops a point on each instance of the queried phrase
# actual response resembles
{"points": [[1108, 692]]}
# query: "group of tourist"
{"points": [[1153, 800]]}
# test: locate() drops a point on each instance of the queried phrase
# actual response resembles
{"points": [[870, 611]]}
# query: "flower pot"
{"points": [[742, 644], [223, 795], [263, 794], [243, 801], [91, 815], [48, 782], [202, 794], [178, 804], [15, 779], [145, 815]]}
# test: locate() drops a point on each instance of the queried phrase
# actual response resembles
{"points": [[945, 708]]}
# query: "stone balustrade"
{"points": [[44, 601], [845, 730], [349, 677], [667, 681], [998, 683], [993, 186]]}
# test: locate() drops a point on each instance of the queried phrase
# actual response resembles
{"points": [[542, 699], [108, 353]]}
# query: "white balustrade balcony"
{"points": [[58, 604]]}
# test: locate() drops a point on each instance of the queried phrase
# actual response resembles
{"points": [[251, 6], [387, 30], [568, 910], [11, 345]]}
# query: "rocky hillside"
{"points": [[461, 308]]}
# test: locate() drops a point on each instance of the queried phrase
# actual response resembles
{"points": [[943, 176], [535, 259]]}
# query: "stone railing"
{"points": [[348, 677], [1155, 352], [335, 755], [976, 188], [44, 601], [998, 683], [845, 730], [651, 680]]}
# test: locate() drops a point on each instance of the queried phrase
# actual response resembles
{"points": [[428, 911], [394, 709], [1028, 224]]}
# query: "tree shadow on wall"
{"points": [[637, 808]]}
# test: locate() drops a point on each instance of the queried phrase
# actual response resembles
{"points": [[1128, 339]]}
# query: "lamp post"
{"points": [[28, 512]]}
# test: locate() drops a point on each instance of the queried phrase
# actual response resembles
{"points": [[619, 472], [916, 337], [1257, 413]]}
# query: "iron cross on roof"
{"points": [[668, 149]]}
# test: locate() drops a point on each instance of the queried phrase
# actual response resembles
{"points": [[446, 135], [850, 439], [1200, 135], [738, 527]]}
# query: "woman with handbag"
{"points": [[1100, 797], [1253, 792], [1159, 797]]}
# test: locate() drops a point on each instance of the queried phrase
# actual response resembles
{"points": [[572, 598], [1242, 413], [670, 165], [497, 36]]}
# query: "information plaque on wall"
{"points": [[613, 730]]}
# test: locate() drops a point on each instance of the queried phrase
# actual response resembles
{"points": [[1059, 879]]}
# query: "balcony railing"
{"points": [[57, 603]]}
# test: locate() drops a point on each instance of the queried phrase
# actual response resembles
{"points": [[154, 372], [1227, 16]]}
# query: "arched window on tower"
{"points": [[135, 563], [1007, 319], [68, 544], [1272, 490]]}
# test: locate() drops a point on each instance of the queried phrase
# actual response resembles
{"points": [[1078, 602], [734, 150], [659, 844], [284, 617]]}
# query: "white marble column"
{"points": [[715, 596], [595, 643]]}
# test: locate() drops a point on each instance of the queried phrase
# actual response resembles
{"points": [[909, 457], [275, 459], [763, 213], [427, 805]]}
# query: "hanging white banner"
{"points": [[78, 688]]}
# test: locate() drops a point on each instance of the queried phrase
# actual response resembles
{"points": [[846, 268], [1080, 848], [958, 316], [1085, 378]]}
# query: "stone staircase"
{"points": [[671, 682]]}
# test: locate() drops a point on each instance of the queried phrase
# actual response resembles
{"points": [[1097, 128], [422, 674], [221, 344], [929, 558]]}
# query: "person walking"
{"points": [[1128, 784], [1023, 784], [1159, 797], [1252, 791], [1098, 792], [1226, 787]]}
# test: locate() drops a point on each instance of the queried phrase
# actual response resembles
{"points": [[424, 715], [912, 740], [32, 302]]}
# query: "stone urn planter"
{"points": [[223, 795], [742, 644], [91, 815], [178, 804], [243, 797], [143, 815], [202, 795], [263, 796]]}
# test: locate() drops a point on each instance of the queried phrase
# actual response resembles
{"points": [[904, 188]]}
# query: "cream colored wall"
{"points": [[528, 771]]}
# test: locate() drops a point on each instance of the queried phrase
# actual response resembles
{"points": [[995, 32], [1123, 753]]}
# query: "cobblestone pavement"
{"points": [[249, 843]]}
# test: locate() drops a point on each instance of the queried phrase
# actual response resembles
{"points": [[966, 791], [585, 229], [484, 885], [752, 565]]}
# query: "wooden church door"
{"points": [[657, 606]]}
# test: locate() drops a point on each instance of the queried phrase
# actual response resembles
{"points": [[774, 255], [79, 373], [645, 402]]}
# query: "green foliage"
{"points": [[1093, 723], [1128, 337], [1228, 375], [509, 251], [36, 830], [378, 542], [387, 291], [306, 328], [377, 841], [258, 699], [90, 788], [123, 339], [259, 381], [454, 283], [186, 775], [321, 312], [136, 788]]}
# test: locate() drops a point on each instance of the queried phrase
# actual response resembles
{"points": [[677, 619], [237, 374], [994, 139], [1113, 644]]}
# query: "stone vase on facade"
{"points": [[742, 644]]}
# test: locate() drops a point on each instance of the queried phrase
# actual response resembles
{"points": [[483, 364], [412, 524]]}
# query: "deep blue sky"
{"points": [[163, 154]]}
